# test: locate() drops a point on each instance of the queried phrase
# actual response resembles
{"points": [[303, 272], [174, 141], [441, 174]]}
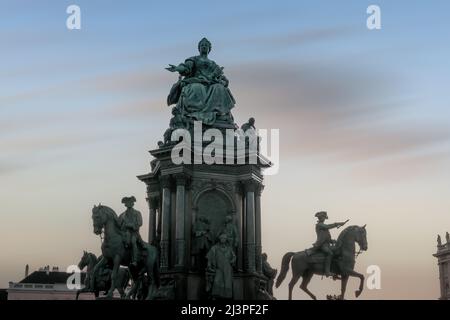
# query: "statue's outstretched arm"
{"points": [[183, 68], [330, 226]]}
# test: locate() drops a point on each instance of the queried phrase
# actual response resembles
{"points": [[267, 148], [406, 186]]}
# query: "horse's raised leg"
{"points": [[344, 281], [114, 273], [353, 273], [306, 278]]}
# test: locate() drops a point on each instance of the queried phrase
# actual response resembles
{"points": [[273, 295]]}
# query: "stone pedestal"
{"points": [[178, 194]]}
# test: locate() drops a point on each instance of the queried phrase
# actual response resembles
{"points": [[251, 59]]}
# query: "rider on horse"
{"points": [[130, 221], [324, 238]]}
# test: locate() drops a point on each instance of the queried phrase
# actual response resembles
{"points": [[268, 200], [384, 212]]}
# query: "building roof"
{"points": [[49, 277]]}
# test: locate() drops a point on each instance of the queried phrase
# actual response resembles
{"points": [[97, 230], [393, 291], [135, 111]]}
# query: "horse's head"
{"points": [[354, 234], [98, 219], [84, 260], [361, 237], [101, 215]]}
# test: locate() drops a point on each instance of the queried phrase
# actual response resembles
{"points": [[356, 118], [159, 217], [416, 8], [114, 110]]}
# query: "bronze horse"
{"points": [[102, 279], [116, 253], [306, 265]]}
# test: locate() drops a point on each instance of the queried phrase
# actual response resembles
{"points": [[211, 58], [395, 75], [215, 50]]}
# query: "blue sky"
{"points": [[363, 118]]}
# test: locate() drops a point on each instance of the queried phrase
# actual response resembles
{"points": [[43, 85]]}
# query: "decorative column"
{"points": [[258, 244], [442, 280], [153, 204], [165, 222], [238, 203], [180, 221], [250, 226]]}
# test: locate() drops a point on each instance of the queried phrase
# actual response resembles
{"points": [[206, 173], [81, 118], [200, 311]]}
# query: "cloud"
{"points": [[337, 112], [8, 167], [300, 37]]}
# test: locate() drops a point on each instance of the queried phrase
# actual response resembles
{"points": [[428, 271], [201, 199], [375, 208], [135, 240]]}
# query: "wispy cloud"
{"points": [[336, 112]]}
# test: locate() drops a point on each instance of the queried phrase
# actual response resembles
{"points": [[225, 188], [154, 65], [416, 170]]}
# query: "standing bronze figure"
{"points": [[221, 259]]}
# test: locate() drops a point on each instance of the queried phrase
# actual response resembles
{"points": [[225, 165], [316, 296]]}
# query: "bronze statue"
{"points": [[116, 253], [231, 231], [176, 122], [249, 125], [324, 239], [101, 280], [249, 134], [202, 92], [201, 242], [130, 221], [305, 265], [221, 259], [269, 272]]}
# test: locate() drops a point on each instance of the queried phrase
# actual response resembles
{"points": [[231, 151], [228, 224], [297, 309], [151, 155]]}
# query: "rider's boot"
{"points": [[134, 254]]}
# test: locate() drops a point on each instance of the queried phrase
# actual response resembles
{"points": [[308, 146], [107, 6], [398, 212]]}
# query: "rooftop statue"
{"points": [[201, 92]]}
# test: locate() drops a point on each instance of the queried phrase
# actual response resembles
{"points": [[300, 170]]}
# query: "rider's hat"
{"points": [[128, 199], [321, 213]]}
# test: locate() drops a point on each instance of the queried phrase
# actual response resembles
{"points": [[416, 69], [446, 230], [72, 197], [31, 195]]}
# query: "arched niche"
{"points": [[215, 204]]}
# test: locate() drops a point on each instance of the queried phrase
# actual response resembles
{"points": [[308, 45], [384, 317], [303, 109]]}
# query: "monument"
{"points": [[443, 256], [196, 210], [327, 257]]}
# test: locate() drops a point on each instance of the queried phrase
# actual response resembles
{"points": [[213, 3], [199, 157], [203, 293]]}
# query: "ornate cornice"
{"points": [[181, 179], [250, 186], [165, 181]]}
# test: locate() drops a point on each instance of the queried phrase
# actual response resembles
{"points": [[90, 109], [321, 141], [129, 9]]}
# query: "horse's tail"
{"points": [[284, 268]]}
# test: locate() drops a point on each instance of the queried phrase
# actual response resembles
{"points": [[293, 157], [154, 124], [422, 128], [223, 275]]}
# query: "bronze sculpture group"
{"points": [[326, 257], [202, 94], [118, 248], [123, 246]]}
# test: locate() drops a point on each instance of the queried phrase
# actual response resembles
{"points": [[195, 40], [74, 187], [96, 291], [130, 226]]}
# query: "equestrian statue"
{"points": [[122, 245], [327, 257]]}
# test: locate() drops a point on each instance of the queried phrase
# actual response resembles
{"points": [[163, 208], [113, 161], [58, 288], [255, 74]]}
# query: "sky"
{"points": [[363, 118]]}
